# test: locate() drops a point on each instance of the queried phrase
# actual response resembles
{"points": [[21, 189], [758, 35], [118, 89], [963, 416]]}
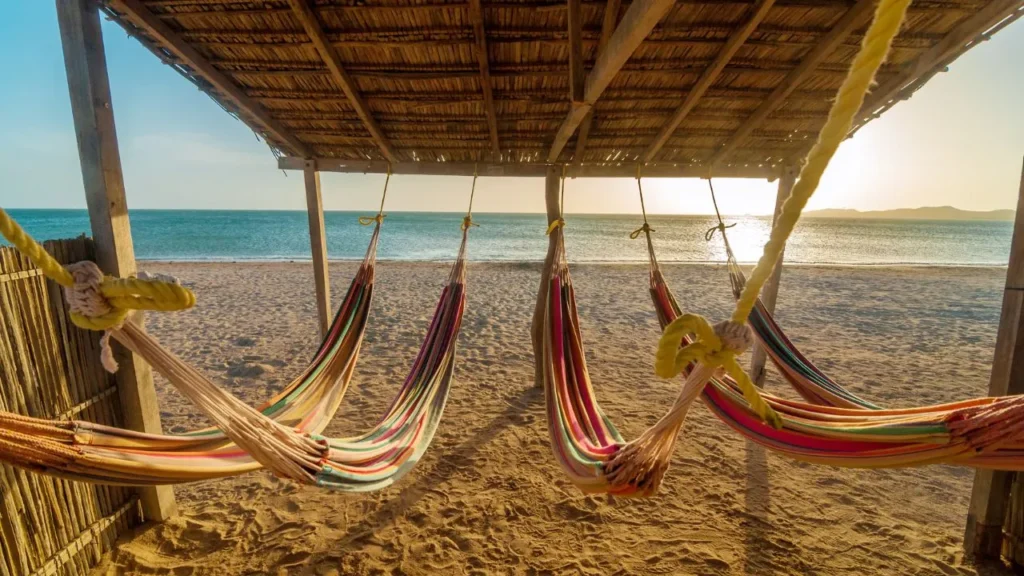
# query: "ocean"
{"points": [[215, 235]]}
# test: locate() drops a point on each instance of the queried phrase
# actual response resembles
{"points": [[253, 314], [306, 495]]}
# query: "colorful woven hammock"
{"points": [[283, 435], [982, 433]]}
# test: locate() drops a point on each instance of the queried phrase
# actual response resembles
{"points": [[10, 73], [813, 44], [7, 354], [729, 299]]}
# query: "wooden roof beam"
{"points": [[641, 17], [476, 15], [577, 70], [497, 169], [708, 78], [854, 18], [310, 22], [188, 56], [611, 18]]}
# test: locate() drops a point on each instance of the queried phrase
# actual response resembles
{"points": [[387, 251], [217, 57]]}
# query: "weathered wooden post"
{"points": [[552, 186], [983, 538], [770, 292], [86, 66], [318, 245]]}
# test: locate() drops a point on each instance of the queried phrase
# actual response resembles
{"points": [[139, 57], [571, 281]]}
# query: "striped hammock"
{"points": [[283, 434], [982, 433]]}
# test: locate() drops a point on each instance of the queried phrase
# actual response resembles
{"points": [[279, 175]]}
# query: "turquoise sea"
{"points": [[195, 235]]}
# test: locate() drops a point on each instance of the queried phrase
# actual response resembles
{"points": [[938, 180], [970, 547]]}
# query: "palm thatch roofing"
{"points": [[738, 85]]}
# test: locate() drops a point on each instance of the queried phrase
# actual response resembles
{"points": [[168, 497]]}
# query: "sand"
{"points": [[489, 499]]}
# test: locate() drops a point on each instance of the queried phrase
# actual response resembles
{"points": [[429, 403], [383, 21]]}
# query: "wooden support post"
{"points": [[983, 538], [552, 186], [86, 66], [318, 245], [770, 292]]}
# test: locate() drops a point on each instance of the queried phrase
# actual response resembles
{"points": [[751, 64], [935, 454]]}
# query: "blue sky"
{"points": [[958, 142]]}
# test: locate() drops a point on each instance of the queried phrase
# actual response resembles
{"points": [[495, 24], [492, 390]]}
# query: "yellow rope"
{"points": [[560, 223], [708, 347], [122, 294], [25, 244], [874, 50]]}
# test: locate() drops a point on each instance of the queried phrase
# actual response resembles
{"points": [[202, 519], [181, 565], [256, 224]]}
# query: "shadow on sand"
{"points": [[444, 469]]}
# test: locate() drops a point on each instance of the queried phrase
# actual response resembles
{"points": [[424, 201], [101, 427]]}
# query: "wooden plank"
{"points": [[92, 109], [709, 76], [315, 31], [854, 18], [577, 72], [476, 15], [144, 19], [318, 246], [640, 18], [611, 18], [496, 169], [983, 537], [552, 203], [770, 292]]}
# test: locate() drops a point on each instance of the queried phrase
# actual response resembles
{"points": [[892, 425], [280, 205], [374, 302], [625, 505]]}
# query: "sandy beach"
{"points": [[489, 499]]}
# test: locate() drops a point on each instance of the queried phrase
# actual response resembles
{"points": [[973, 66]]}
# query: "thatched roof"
{"points": [[736, 83]]}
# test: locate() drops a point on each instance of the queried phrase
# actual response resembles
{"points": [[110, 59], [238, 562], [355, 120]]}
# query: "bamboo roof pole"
{"points": [[330, 57], [188, 55], [709, 76], [92, 109], [640, 18], [983, 537], [476, 15], [552, 202], [611, 18], [770, 292], [854, 18]]}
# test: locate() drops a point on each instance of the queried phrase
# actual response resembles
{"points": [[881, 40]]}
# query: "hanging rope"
{"points": [[560, 221], [720, 227], [719, 345], [646, 228], [379, 218], [467, 221]]}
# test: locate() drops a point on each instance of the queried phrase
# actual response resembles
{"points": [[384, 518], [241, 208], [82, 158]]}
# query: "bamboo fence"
{"points": [[50, 369]]}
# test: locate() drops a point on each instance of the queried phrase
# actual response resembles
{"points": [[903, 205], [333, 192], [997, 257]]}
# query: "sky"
{"points": [[959, 141]]}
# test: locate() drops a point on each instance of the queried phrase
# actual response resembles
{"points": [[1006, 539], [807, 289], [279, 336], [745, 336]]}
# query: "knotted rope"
{"points": [[98, 302], [646, 228], [467, 220], [379, 218], [719, 346]]}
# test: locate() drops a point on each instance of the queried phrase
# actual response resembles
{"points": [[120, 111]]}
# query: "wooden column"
{"points": [[770, 292], [983, 538], [552, 185], [86, 67], [318, 244]]}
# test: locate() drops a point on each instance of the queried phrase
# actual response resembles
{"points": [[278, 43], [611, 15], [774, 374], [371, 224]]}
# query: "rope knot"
{"points": [[370, 220], [645, 229], [735, 337], [560, 223], [90, 308], [720, 227], [690, 339], [467, 223]]}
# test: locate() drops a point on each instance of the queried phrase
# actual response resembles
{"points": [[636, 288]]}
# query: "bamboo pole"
{"points": [[91, 107], [318, 246], [770, 292], [983, 538], [552, 182]]}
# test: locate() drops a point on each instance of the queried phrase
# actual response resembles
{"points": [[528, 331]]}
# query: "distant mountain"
{"points": [[924, 213]]}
